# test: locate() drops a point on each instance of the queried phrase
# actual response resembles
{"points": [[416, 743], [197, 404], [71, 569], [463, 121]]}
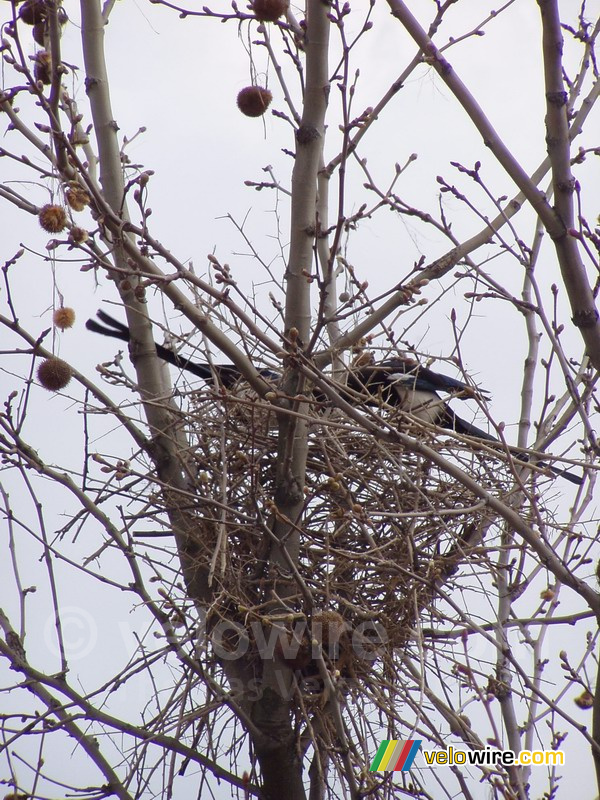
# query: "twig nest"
{"points": [[53, 218], [269, 10], [54, 374], [253, 101]]}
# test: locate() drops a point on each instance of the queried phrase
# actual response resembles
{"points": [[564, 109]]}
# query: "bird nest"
{"points": [[383, 528]]}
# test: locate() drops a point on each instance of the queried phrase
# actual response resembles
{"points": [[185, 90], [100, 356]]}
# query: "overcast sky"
{"points": [[179, 79]]}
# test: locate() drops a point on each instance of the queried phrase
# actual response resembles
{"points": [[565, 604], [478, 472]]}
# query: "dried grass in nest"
{"points": [[382, 531]]}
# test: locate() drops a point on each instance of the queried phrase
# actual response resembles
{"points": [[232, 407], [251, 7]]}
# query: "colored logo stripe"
{"points": [[392, 754], [395, 755], [378, 758], [411, 752]]}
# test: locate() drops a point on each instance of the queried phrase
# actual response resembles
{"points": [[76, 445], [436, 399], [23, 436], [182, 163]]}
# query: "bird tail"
{"points": [[117, 330], [455, 423]]}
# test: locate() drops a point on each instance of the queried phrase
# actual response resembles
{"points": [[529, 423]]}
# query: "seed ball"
{"points": [[39, 30], [53, 218], [253, 101], [585, 700], [269, 10], [63, 318], [78, 235], [328, 626], [77, 197], [54, 374], [33, 11], [42, 69]]}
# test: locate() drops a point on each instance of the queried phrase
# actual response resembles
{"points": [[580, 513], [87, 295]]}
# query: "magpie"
{"points": [[399, 382], [406, 384]]}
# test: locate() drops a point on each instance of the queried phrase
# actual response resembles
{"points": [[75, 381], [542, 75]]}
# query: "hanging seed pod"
{"points": [[269, 10], [42, 70], [253, 101], [33, 11], [54, 374], [77, 197], [53, 218], [38, 33], [63, 318], [78, 235]]}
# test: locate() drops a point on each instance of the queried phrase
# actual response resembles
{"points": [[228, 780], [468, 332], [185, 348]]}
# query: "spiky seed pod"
{"points": [[53, 218], [42, 69], [78, 235], [54, 374], [63, 318], [269, 10], [77, 197], [253, 101], [33, 11], [585, 700]]}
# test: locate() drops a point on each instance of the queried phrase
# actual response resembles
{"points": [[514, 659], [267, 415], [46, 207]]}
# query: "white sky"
{"points": [[179, 79]]}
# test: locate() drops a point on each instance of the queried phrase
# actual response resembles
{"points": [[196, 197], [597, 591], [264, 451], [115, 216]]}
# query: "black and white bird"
{"points": [[399, 382], [409, 386]]}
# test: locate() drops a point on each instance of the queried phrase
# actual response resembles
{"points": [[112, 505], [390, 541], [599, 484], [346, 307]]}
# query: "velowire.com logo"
{"points": [[397, 755]]}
